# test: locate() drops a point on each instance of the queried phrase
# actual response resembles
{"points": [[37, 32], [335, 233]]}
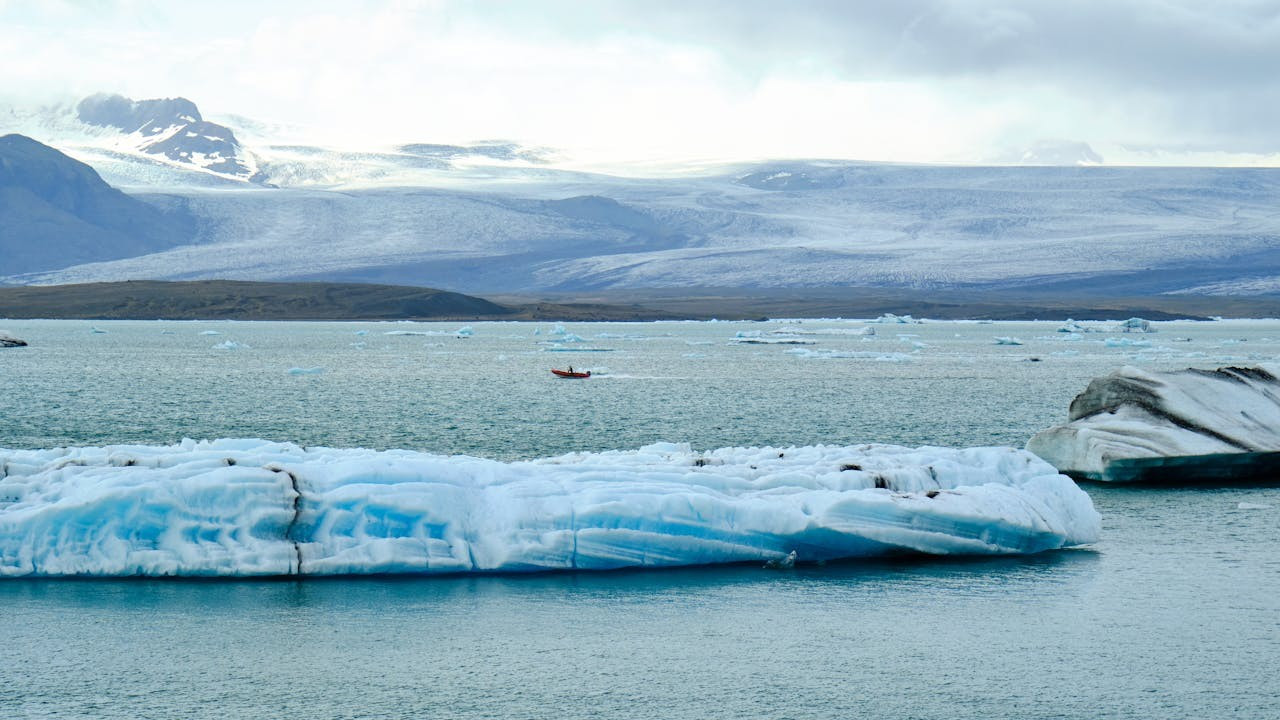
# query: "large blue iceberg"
{"points": [[254, 508]]}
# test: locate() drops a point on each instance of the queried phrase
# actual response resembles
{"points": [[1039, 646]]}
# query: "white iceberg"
{"points": [[306, 371], [1136, 325], [251, 507], [1007, 341], [891, 319], [1184, 425]]}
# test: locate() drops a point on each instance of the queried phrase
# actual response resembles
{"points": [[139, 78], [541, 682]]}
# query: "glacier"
{"points": [[1183, 425], [243, 507]]}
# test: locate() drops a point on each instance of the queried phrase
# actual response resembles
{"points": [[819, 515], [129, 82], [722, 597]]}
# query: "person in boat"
{"points": [[570, 368]]}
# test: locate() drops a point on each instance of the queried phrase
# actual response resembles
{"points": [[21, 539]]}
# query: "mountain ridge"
{"points": [[57, 211]]}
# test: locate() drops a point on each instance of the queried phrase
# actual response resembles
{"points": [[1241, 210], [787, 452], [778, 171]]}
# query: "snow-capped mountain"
{"points": [[172, 128], [498, 217]]}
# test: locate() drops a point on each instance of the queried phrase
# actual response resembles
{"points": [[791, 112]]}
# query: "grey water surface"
{"points": [[1174, 613]]}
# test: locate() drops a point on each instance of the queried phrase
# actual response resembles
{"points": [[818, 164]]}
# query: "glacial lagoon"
{"points": [[1172, 613]]}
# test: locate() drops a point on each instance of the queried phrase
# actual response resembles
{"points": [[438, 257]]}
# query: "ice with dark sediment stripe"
{"points": [[251, 507], [1141, 424]]}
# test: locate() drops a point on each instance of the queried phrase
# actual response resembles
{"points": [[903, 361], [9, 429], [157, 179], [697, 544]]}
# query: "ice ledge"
{"points": [[250, 508]]}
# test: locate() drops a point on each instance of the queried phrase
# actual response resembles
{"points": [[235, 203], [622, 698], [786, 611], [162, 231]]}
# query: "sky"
{"points": [[663, 82]]}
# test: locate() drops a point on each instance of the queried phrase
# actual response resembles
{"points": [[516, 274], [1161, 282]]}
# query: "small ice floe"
{"points": [[1075, 327], [891, 319], [864, 331], [358, 345], [1253, 506], [210, 332], [1125, 343], [306, 371], [558, 329], [10, 341], [825, 354], [1008, 341], [784, 340], [230, 345], [362, 332], [1136, 325], [465, 331], [97, 331]]}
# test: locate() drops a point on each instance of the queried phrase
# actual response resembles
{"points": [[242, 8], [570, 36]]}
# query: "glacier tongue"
{"points": [[251, 507]]}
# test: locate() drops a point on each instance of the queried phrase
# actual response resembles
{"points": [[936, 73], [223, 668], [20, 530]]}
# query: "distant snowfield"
{"points": [[495, 218]]}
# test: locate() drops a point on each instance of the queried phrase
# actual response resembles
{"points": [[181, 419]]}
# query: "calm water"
{"points": [[1173, 614]]}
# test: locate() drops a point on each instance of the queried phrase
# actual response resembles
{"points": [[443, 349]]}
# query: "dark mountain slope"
{"points": [[56, 212]]}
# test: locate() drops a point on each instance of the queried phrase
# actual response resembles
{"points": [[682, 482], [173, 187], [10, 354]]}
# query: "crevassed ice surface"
{"points": [[249, 507]]}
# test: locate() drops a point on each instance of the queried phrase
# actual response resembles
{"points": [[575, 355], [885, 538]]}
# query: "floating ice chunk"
{"points": [[250, 507], [97, 331], [1137, 325], [1071, 326], [210, 332], [865, 331], [827, 354], [1185, 425], [1252, 506], [780, 340], [1008, 341], [362, 332], [890, 319], [1126, 343], [10, 341], [306, 371], [230, 345], [558, 329], [465, 331]]}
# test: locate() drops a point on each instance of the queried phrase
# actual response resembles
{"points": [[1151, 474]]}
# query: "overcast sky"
{"points": [[605, 81]]}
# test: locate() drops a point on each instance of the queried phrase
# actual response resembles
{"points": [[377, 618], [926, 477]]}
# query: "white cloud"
{"points": [[611, 81]]}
